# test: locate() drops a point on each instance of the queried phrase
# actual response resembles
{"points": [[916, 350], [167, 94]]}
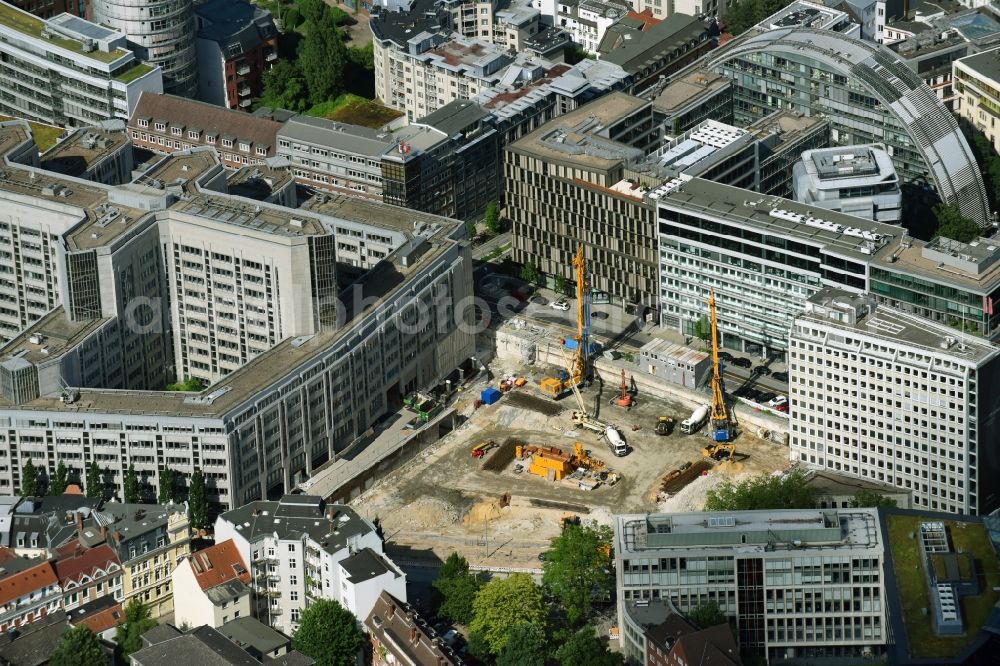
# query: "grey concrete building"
{"points": [[173, 276], [889, 397], [100, 154], [859, 180], [675, 363], [797, 582]]}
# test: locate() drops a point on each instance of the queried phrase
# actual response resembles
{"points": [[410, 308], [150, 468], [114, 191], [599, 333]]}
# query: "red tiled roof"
{"points": [[103, 620], [211, 119], [646, 16], [73, 564], [217, 565], [23, 582]]}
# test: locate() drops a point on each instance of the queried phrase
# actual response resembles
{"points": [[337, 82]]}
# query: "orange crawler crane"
{"points": [[546, 461], [624, 399]]}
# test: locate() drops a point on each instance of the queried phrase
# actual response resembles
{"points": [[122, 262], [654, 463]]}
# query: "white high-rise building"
{"points": [[883, 395]]}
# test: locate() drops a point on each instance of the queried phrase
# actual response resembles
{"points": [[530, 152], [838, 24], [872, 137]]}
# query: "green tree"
{"points": [[167, 481], [321, 60], [707, 615], [790, 491], [577, 568], [702, 329], [530, 273], [470, 229], [284, 88], [79, 646], [871, 499], [138, 620], [526, 645], [29, 479], [491, 220], [313, 11], [458, 588], [329, 634], [585, 648], [503, 603], [748, 13], [198, 501], [292, 18], [131, 491], [95, 482], [559, 284], [362, 56], [189, 384], [952, 224], [59, 481], [478, 647]]}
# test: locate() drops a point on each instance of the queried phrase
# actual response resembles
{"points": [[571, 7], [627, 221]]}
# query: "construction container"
{"points": [[489, 396]]}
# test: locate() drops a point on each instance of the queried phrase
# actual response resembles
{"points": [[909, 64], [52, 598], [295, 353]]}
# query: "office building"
{"points": [[796, 582], [400, 635], [763, 256], [126, 320], [236, 43], [46, 9], [695, 96], [886, 396], [977, 93], [818, 16], [166, 123], [781, 140], [98, 154], [653, 55], [847, 80], [300, 549], [67, 71], [859, 180], [159, 32], [211, 587]]}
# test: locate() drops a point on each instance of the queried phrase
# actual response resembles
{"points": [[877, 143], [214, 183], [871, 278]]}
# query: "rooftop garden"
{"points": [[45, 135], [355, 110], [134, 72], [32, 26], [914, 594]]}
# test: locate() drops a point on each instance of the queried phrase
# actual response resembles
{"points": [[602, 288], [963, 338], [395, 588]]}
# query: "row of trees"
{"points": [[788, 491], [134, 490], [508, 619]]}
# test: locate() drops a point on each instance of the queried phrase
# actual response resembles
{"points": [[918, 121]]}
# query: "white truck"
{"points": [[616, 441], [695, 421]]}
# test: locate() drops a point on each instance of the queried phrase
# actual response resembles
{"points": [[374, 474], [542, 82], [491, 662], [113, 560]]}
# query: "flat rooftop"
{"points": [[337, 136], [55, 334], [837, 232], [81, 150], [986, 64], [852, 162], [754, 530], [67, 34], [463, 51], [786, 125], [574, 138], [13, 134], [258, 181], [898, 327], [180, 168], [265, 218], [689, 89]]}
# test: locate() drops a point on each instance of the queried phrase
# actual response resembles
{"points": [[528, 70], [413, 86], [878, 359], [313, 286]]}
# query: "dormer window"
{"points": [[245, 147], [176, 131], [261, 150], [210, 138], [143, 122], [194, 134], [161, 126], [227, 143]]}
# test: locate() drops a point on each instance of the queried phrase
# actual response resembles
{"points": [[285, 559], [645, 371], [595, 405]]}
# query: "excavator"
{"points": [[579, 369], [718, 415]]}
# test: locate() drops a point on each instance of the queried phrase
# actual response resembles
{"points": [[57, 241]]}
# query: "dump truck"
{"points": [[695, 421], [424, 405]]}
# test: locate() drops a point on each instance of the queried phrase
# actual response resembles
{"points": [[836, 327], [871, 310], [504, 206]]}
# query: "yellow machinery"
{"points": [[581, 459], [578, 369], [546, 461], [568, 519], [718, 416]]}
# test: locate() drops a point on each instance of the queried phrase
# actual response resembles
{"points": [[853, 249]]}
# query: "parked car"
{"points": [[764, 397], [762, 370], [725, 356], [778, 400], [780, 376], [561, 304], [599, 315], [741, 362], [783, 407]]}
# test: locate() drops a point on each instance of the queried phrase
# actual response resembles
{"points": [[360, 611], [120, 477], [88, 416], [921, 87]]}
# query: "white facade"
{"points": [[890, 397], [193, 607], [587, 20], [977, 92], [295, 548], [859, 180]]}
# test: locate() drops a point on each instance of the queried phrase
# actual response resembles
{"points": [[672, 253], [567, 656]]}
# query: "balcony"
{"points": [[243, 69], [243, 90], [245, 102], [271, 57]]}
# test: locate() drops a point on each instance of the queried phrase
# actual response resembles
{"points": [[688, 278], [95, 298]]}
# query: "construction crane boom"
{"points": [[719, 416], [581, 364]]}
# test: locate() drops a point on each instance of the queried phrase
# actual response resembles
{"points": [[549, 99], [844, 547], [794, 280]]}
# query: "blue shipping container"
{"points": [[489, 396]]}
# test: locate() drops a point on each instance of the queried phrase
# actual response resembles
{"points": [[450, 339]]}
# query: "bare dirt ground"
{"points": [[445, 501]]}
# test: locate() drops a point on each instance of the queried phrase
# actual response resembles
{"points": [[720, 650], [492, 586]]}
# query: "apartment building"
{"points": [[795, 581], [159, 32], [885, 396], [236, 43], [29, 590], [301, 549], [93, 153], [211, 587], [165, 124], [101, 344], [587, 21], [847, 79], [400, 635], [87, 575], [859, 180], [977, 93], [95, 75]]}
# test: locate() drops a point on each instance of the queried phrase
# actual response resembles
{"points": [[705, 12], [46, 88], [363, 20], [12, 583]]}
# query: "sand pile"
{"points": [[427, 513], [483, 511]]}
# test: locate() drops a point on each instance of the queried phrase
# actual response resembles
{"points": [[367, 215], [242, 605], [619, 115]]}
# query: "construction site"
{"points": [[559, 435]]}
